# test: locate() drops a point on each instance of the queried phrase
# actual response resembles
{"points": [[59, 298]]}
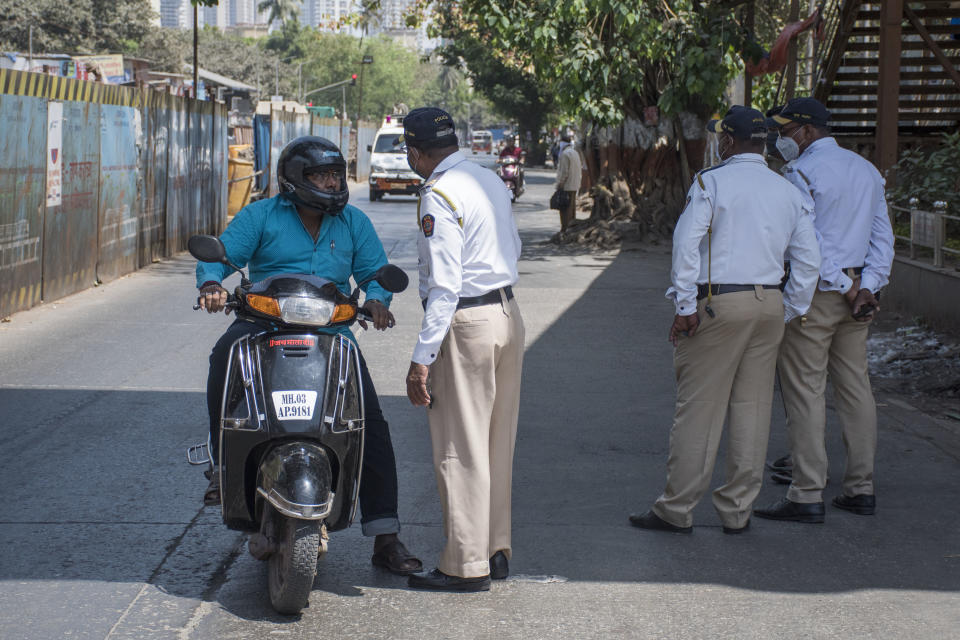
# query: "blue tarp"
{"points": [[261, 150]]}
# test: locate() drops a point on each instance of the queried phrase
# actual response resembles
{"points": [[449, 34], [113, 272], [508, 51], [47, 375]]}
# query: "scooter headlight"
{"points": [[310, 311]]}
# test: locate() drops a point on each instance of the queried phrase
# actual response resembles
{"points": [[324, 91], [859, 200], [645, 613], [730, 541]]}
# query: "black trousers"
{"points": [[378, 484]]}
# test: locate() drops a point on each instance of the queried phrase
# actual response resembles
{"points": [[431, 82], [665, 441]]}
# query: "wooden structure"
{"points": [[888, 72]]}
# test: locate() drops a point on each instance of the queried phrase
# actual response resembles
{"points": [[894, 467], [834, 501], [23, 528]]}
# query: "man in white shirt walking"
{"points": [[856, 243], [569, 175], [470, 351], [740, 222]]}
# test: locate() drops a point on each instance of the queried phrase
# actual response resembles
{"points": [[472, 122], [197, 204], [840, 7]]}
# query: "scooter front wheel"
{"points": [[293, 565]]}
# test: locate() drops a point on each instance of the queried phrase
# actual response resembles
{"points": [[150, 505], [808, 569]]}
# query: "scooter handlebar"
{"points": [[231, 303]]}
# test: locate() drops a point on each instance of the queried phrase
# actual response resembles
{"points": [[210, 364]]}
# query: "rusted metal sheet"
{"points": [[218, 189], [70, 229], [119, 128], [23, 126], [178, 169], [203, 171], [151, 236]]}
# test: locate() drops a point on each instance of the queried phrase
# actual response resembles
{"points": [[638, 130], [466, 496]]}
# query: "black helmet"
{"points": [[300, 157]]}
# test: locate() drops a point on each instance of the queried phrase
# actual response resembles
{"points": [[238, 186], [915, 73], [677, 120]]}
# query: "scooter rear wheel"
{"points": [[293, 565]]}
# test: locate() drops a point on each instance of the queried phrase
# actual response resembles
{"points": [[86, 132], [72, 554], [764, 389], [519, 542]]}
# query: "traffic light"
{"points": [[353, 79]]}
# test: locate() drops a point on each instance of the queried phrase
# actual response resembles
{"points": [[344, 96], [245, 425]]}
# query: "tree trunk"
{"points": [[636, 173]]}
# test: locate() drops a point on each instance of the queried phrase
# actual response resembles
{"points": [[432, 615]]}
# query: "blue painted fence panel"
{"points": [[70, 229], [119, 127], [23, 143]]}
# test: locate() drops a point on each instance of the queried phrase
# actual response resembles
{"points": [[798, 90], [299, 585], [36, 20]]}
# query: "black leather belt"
{"points": [[491, 297], [856, 271], [720, 289]]}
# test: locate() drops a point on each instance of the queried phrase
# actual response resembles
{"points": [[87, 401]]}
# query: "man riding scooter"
{"points": [[512, 152], [310, 229]]}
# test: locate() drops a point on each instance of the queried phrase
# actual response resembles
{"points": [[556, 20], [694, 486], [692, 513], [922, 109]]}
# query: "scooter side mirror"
{"points": [[207, 249], [210, 249], [392, 278]]}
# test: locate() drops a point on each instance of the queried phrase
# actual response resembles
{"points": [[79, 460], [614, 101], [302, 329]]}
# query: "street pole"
{"points": [[343, 113], [300, 82], [196, 40], [276, 79], [30, 67]]}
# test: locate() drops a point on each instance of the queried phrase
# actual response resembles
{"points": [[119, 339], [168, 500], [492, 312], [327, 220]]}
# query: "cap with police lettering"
{"points": [[802, 111], [740, 122], [428, 126]]}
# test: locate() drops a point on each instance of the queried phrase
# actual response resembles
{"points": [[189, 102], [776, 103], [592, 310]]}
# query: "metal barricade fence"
{"points": [[927, 229]]}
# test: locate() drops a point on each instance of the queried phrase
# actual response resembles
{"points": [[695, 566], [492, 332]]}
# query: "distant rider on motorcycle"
{"points": [[511, 149], [310, 229]]}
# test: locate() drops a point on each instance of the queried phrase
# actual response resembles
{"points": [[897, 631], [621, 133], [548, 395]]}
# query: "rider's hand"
{"points": [[213, 298], [417, 384], [382, 318], [683, 325]]}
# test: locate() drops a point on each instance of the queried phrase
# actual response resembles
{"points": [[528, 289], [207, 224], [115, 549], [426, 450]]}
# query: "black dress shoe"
{"points": [[499, 567], [782, 477], [783, 463], [730, 531], [437, 580], [863, 504], [785, 509], [650, 520]]}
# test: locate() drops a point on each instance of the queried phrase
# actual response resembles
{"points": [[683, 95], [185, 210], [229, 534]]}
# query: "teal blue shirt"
{"points": [[268, 237]]}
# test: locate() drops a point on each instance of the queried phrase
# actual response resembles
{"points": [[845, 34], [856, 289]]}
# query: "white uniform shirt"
{"points": [[468, 244], [758, 221], [850, 214]]}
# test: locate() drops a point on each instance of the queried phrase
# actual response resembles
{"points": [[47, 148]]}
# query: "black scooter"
{"points": [[291, 433]]}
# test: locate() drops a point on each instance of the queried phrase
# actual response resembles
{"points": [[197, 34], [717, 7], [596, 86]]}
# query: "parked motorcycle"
{"points": [[510, 170], [291, 434]]}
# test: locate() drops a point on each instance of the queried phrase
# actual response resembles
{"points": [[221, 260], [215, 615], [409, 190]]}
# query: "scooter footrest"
{"points": [[199, 454]]}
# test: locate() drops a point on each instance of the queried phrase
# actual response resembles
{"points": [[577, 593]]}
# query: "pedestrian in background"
{"points": [[856, 243], [740, 222], [569, 169], [469, 351]]}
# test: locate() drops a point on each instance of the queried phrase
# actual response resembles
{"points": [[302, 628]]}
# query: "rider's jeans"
{"points": [[378, 485]]}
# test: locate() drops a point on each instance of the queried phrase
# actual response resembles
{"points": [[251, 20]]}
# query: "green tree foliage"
{"points": [[929, 175], [78, 26], [606, 59]]}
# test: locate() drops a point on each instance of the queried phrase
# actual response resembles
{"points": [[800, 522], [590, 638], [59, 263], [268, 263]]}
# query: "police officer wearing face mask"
{"points": [[856, 243], [471, 347], [740, 221]]}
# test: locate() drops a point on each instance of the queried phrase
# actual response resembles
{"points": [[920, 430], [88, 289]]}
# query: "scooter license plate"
{"points": [[294, 405]]}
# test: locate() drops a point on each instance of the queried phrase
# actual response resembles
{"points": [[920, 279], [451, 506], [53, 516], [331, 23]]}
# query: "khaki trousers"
{"points": [[725, 370], [830, 341], [475, 387]]}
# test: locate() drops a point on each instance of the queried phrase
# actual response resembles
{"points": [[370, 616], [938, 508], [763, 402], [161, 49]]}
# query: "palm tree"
{"points": [[282, 10]]}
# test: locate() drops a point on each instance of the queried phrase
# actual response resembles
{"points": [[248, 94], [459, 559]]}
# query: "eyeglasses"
{"points": [[333, 173]]}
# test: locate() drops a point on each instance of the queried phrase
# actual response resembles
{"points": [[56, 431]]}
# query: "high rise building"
{"points": [[174, 13]]}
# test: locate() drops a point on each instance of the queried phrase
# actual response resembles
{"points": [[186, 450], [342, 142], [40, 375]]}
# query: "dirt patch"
{"points": [[922, 366]]}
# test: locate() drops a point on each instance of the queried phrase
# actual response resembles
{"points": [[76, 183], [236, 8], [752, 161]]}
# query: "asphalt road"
{"points": [[104, 534]]}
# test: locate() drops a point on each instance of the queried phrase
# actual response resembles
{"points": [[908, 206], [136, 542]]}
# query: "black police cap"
{"points": [[803, 111], [428, 127], [740, 122]]}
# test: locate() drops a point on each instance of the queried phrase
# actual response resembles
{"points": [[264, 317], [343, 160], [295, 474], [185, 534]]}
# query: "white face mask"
{"points": [[788, 148]]}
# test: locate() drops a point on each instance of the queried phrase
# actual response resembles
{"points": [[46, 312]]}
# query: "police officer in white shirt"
{"points": [[467, 361], [740, 222], [856, 243]]}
